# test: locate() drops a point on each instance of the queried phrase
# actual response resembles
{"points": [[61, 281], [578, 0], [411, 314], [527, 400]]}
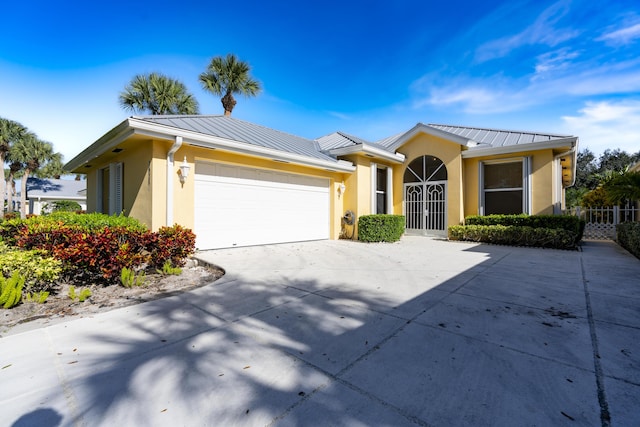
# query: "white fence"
{"points": [[601, 222]]}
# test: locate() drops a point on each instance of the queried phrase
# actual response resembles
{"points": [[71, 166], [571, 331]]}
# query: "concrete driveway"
{"points": [[338, 333]]}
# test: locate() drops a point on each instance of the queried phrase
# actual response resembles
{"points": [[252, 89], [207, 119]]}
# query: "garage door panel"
{"points": [[233, 209]]}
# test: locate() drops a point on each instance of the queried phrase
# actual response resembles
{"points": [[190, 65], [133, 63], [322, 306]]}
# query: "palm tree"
{"points": [[32, 153], [624, 186], [10, 132], [54, 168], [158, 94], [226, 76]]}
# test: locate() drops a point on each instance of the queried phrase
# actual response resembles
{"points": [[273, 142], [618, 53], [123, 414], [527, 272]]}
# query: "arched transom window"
{"points": [[425, 169]]}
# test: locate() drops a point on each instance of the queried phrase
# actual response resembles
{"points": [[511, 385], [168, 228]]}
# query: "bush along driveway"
{"points": [[418, 332]]}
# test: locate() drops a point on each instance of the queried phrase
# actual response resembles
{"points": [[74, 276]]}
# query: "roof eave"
{"points": [[134, 125], [519, 148], [108, 141], [369, 151], [421, 127]]}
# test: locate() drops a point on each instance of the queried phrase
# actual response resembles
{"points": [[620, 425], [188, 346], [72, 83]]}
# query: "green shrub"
{"points": [[95, 248], [39, 271], [61, 206], [11, 290], [97, 256], [628, 234], [514, 235], [174, 244], [86, 222], [380, 228], [129, 278], [569, 223]]}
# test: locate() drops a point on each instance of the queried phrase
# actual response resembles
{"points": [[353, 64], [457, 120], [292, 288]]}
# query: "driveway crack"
{"points": [[605, 416]]}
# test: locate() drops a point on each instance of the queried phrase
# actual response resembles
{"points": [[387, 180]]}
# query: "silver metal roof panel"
{"points": [[241, 131]]}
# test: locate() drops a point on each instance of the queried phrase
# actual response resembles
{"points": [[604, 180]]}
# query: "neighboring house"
{"points": [[236, 183], [43, 192]]}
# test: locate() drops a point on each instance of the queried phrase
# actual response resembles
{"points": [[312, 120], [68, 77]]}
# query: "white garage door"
{"points": [[236, 206]]}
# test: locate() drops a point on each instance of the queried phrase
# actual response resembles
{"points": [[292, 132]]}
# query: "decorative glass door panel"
{"points": [[426, 207], [425, 196]]}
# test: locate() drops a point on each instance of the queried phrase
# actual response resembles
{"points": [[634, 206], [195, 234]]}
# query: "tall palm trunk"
{"points": [[23, 193], [228, 102]]}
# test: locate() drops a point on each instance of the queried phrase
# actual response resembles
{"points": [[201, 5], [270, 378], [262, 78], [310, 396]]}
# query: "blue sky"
{"points": [[369, 68]]}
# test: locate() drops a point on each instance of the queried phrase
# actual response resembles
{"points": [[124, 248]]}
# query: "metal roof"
{"points": [[390, 140], [341, 140], [53, 188], [497, 137], [238, 130]]}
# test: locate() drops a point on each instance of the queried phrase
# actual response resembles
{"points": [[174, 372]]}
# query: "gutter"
{"points": [[170, 163], [519, 148], [214, 142]]}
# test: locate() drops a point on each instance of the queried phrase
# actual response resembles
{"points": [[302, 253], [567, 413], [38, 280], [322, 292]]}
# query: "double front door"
{"points": [[425, 206]]}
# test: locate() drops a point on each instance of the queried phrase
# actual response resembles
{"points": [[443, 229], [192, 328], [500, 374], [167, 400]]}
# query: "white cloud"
{"points": [[556, 79], [622, 36], [606, 125], [541, 31], [552, 62]]}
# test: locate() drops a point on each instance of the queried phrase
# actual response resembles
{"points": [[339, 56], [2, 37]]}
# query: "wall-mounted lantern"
{"points": [[184, 170], [341, 189]]}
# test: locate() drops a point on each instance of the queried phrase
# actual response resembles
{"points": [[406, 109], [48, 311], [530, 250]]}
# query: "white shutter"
{"points": [[115, 188]]}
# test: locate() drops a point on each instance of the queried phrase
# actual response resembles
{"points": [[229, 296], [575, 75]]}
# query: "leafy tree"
{"points": [[592, 173], [158, 94], [10, 132], [586, 167], [32, 153], [226, 76], [596, 198], [616, 160]]}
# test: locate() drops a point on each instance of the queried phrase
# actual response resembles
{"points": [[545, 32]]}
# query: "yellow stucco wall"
{"points": [[184, 194], [145, 179]]}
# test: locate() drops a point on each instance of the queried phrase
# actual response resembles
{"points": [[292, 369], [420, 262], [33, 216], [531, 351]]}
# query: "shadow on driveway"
{"points": [[422, 332]]}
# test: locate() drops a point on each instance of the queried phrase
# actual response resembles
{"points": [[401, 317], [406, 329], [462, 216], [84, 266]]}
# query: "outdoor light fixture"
{"points": [[184, 170], [341, 188]]}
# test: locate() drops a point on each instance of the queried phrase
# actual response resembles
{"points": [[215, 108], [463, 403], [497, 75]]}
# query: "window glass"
{"points": [[381, 203], [381, 191], [425, 168], [503, 175], [381, 179], [503, 202]]}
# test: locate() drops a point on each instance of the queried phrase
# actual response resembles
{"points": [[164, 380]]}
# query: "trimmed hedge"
{"points": [[514, 235], [562, 222], [380, 228], [629, 237], [547, 231]]}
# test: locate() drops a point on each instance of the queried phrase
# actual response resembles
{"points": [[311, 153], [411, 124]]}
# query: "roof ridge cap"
{"points": [[527, 132]]}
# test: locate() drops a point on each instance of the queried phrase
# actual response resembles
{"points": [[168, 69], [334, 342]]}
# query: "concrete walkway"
{"points": [[337, 333]]}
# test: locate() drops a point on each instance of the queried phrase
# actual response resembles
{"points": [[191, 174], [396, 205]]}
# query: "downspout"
{"points": [[176, 145]]}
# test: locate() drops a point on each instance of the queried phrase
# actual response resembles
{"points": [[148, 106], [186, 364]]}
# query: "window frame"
{"points": [[525, 188], [388, 190], [115, 189]]}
